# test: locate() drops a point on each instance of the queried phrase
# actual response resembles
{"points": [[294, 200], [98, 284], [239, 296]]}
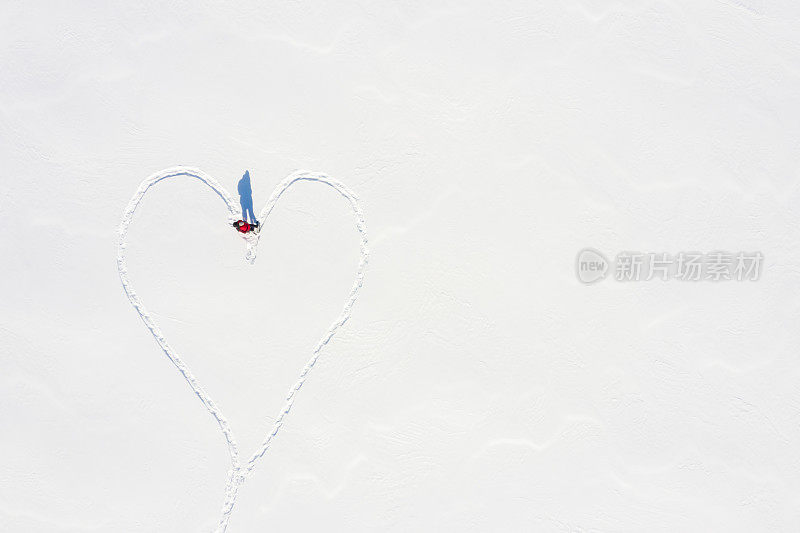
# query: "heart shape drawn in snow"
{"points": [[239, 471]]}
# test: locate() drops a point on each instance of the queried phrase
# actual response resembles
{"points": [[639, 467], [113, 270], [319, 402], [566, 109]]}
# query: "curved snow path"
{"points": [[239, 471]]}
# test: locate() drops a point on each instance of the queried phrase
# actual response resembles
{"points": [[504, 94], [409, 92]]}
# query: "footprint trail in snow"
{"points": [[239, 470]]}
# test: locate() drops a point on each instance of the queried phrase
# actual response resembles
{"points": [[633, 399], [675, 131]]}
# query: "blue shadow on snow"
{"points": [[246, 198]]}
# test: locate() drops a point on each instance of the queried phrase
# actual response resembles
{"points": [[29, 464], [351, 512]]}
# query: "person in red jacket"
{"points": [[245, 227]]}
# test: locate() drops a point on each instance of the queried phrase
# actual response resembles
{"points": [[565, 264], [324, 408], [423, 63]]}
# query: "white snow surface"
{"points": [[476, 384]]}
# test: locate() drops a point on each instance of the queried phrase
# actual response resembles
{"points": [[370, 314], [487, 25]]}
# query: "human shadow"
{"points": [[246, 198]]}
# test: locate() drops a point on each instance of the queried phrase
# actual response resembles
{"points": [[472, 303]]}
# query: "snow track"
{"points": [[239, 471]]}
